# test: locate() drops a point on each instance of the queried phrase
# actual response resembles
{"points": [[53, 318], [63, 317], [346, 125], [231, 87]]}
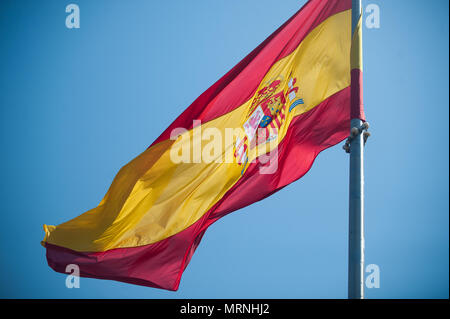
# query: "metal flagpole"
{"points": [[356, 191]]}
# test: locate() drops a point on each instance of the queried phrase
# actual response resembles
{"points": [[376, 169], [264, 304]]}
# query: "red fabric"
{"points": [[161, 264], [240, 83], [357, 107]]}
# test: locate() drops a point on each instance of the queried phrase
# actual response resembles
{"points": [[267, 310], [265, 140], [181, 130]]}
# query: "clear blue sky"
{"points": [[76, 105]]}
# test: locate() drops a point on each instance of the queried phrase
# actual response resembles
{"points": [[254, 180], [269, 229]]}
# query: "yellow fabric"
{"points": [[356, 50], [153, 198]]}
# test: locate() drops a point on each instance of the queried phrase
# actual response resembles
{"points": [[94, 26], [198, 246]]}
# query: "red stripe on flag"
{"points": [[357, 107]]}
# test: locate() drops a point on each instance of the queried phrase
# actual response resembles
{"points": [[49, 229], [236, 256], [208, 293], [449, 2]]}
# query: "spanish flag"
{"points": [[257, 129]]}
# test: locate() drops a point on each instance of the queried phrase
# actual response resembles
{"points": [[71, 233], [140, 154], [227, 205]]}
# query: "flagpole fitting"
{"points": [[354, 132]]}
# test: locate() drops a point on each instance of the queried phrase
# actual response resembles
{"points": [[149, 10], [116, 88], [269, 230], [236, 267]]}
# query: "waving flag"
{"points": [[284, 103]]}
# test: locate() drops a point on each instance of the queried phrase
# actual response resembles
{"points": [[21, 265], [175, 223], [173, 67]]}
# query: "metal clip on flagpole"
{"points": [[354, 132]]}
